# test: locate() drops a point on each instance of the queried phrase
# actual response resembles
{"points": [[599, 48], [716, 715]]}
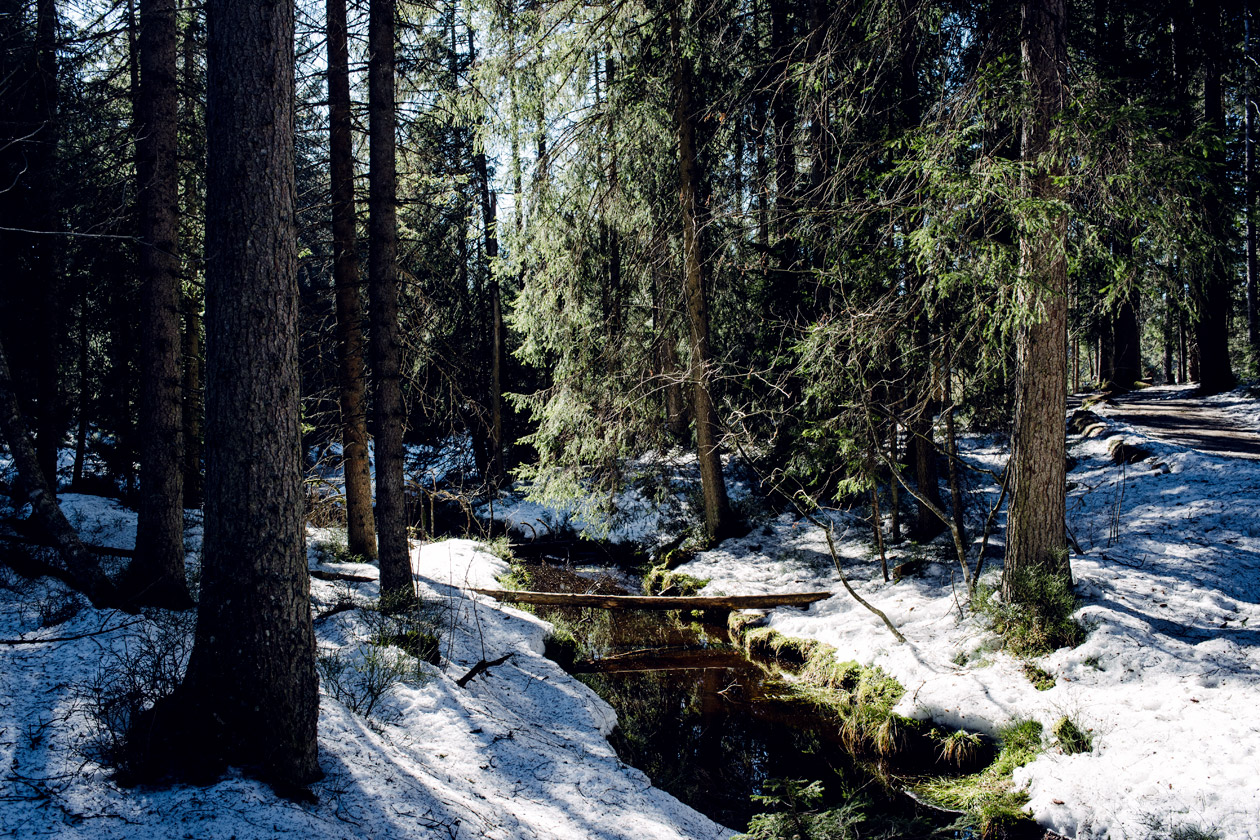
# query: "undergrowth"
{"points": [[1038, 619], [988, 796], [795, 813], [660, 580]]}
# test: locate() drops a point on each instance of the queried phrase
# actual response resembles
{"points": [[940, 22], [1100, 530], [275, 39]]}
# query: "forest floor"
{"points": [[1167, 681]]}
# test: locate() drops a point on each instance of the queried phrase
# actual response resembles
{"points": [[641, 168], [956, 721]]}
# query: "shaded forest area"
{"points": [[559, 237]]}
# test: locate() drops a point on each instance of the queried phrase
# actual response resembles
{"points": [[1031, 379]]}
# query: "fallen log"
{"points": [[657, 602]]}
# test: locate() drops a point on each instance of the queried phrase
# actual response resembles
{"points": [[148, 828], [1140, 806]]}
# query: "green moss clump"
{"points": [[766, 643], [987, 796], [1071, 738], [660, 580], [1041, 679]]}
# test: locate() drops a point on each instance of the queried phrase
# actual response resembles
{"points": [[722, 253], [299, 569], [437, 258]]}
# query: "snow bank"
{"points": [[519, 752]]}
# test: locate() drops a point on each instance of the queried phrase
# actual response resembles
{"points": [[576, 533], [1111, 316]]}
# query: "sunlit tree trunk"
{"points": [[1036, 516], [386, 347], [351, 383], [718, 518]]}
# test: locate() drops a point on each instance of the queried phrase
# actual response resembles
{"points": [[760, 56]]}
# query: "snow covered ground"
{"points": [[1168, 679], [520, 752]]}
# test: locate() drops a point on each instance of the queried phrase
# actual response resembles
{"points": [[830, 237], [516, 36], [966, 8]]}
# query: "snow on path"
{"points": [[519, 752], [1168, 679]]}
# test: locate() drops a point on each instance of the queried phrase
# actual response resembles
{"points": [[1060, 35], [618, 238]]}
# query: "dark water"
{"points": [[708, 725]]}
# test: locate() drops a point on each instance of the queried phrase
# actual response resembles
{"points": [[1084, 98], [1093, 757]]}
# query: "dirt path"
{"points": [[1177, 415]]}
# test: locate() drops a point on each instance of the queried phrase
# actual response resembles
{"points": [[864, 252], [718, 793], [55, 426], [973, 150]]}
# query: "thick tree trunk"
{"points": [[351, 383], [1210, 290], [251, 695], [391, 520], [156, 576], [1036, 516], [82, 567], [1126, 349], [718, 518]]}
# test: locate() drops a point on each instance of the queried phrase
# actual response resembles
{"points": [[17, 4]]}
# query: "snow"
{"points": [[1168, 679], [520, 752]]}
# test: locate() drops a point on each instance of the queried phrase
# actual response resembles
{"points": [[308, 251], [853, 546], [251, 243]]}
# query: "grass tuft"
{"points": [[988, 796], [1072, 738]]}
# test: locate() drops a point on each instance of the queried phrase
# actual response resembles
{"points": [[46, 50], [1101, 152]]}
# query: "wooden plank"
{"points": [[657, 602]]}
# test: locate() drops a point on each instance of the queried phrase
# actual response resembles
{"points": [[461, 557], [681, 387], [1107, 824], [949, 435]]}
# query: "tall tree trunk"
{"points": [[156, 576], [44, 248], [194, 404], [1210, 290], [391, 521], [1036, 516], [351, 384], [1249, 174], [489, 219], [718, 518], [251, 694]]}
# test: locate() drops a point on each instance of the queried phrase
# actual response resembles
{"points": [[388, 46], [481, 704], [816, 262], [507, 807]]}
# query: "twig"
{"points": [[835, 559], [482, 666], [73, 638]]}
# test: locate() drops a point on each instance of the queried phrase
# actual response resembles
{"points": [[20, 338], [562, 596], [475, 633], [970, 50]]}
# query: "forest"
{"points": [[542, 418]]}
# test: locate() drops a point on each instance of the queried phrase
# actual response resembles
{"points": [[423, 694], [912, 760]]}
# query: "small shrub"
{"points": [[332, 546], [407, 622], [58, 607], [795, 814], [560, 646], [132, 678], [362, 682], [1071, 738]]}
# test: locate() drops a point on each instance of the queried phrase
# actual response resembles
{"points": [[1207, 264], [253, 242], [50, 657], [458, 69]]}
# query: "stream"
{"points": [[704, 722]]}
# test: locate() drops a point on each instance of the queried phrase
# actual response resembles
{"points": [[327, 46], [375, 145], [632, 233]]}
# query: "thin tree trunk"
{"points": [[1036, 516], [489, 219], [44, 248], [383, 291], [156, 576], [351, 381], [718, 518], [194, 404], [1249, 175], [1210, 290], [85, 398]]}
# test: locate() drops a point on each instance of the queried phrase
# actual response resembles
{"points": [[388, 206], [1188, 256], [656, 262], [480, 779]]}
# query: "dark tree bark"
{"points": [[1036, 516], [383, 293], [194, 404], [351, 383], [1211, 287], [1249, 175], [251, 694], [718, 517], [44, 249], [156, 576], [489, 219]]}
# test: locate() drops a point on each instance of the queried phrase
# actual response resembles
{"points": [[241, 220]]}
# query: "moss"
{"points": [[987, 796], [768, 644], [1041, 679], [660, 580], [1071, 738]]}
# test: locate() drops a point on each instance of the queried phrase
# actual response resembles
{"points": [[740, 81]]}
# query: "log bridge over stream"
{"points": [[657, 602]]}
